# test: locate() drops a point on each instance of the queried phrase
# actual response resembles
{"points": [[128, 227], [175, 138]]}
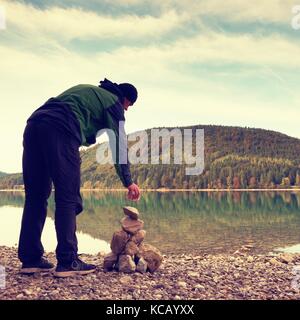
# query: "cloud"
{"points": [[275, 11], [65, 24], [39, 64]]}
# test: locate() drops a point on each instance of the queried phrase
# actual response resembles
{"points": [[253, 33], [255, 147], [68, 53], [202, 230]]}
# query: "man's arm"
{"points": [[114, 116]]}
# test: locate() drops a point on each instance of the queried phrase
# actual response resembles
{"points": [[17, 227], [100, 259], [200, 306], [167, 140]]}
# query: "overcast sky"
{"points": [[193, 62]]}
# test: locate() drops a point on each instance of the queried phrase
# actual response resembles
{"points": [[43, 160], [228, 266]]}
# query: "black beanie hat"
{"points": [[129, 91]]}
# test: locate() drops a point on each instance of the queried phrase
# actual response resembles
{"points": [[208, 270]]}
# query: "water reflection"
{"points": [[197, 221], [10, 222], [290, 249]]}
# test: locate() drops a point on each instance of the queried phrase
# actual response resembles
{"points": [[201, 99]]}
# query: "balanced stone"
{"points": [[126, 264], [151, 255], [131, 248], [129, 253], [131, 226], [141, 266], [139, 237], [131, 212], [109, 261], [119, 241]]}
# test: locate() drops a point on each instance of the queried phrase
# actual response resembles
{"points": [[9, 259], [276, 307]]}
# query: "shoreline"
{"points": [[173, 190], [230, 276]]}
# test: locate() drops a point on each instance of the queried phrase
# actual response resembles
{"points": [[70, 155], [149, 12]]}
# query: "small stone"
{"points": [[250, 259], [131, 248], [151, 255], [286, 258], [157, 296], [19, 296], [132, 226], [274, 262], [199, 286], [139, 237], [181, 284], [177, 297], [125, 280], [126, 264], [27, 292], [119, 241], [193, 274], [142, 266], [109, 261], [131, 212]]}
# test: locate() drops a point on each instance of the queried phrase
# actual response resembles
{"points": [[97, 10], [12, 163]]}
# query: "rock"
{"points": [[274, 262], [131, 226], [126, 264], [151, 255], [142, 266], [177, 297], [109, 261], [19, 296], [181, 284], [119, 241], [125, 280], [286, 258], [199, 286], [236, 275], [250, 259], [131, 212], [27, 292], [131, 248], [159, 286], [193, 274], [139, 237]]}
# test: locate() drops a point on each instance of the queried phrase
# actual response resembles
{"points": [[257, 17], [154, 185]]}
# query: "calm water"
{"points": [[176, 221]]}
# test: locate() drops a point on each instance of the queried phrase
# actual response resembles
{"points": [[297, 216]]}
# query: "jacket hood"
{"points": [[113, 88]]}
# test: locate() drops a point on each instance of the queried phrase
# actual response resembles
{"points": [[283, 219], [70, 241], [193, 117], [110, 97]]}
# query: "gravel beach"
{"points": [[239, 275]]}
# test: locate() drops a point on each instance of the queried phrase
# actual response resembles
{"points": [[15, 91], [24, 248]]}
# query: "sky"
{"points": [[193, 61]]}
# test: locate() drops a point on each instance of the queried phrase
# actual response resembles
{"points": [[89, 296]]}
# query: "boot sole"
{"points": [[65, 274], [34, 270]]}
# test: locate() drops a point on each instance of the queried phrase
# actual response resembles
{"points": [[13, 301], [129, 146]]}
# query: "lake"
{"points": [[176, 222]]}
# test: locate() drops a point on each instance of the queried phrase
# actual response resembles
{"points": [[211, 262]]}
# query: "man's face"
{"points": [[126, 104]]}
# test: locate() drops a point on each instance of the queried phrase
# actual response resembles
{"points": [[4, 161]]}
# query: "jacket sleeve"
{"points": [[115, 114]]}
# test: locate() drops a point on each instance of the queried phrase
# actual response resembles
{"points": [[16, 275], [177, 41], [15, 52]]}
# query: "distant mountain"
{"points": [[2, 174], [235, 157]]}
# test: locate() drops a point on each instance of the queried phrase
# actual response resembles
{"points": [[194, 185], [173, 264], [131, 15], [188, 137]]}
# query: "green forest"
{"points": [[235, 158], [2, 174]]}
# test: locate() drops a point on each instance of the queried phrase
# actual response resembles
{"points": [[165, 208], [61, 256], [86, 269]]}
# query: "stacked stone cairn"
{"points": [[128, 252]]}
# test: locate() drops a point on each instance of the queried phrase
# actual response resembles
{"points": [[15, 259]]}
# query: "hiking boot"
{"points": [[40, 266], [76, 267]]}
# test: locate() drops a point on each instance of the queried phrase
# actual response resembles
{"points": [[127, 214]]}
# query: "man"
{"points": [[51, 143]]}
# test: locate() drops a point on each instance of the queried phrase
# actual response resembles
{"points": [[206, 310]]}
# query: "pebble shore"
{"points": [[239, 275]]}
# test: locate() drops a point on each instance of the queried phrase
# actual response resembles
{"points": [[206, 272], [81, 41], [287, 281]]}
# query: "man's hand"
{"points": [[134, 193]]}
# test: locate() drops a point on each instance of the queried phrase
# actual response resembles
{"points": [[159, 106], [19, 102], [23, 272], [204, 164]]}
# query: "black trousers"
{"points": [[49, 155]]}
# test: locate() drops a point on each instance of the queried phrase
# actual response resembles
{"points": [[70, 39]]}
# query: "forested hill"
{"points": [[2, 174], [235, 157]]}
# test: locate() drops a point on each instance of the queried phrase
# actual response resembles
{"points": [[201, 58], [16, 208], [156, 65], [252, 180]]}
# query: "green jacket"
{"points": [[98, 108]]}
